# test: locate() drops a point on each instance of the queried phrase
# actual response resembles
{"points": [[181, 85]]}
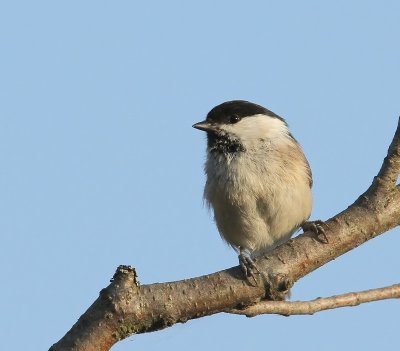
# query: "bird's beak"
{"points": [[205, 126]]}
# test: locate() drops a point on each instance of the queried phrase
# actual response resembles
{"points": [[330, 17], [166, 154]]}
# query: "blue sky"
{"points": [[100, 165]]}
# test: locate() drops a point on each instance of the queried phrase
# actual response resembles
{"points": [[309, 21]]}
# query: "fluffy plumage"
{"points": [[258, 179]]}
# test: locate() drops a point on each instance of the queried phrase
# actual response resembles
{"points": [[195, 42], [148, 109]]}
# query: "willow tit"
{"points": [[258, 179]]}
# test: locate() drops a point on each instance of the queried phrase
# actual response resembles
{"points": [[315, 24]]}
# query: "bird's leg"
{"points": [[247, 264], [317, 227]]}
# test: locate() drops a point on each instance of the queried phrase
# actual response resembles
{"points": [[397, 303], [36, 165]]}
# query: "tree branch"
{"points": [[125, 308], [390, 169], [288, 308]]}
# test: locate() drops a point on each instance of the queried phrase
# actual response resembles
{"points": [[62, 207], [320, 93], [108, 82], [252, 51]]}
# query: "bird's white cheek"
{"points": [[252, 129]]}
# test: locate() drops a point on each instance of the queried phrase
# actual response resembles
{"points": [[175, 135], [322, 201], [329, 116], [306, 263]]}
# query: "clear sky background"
{"points": [[100, 165]]}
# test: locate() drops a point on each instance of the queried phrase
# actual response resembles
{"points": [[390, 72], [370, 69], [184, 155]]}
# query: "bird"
{"points": [[258, 180]]}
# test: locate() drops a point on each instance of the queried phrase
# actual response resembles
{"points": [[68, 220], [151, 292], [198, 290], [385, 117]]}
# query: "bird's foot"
{"points": [[247, 264], [317, 227]]}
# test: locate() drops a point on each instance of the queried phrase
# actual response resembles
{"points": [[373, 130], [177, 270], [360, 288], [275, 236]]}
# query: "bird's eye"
{"points": [[234, 119]]}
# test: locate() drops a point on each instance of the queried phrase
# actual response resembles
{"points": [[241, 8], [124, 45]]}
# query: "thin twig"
{"points": [[288, 308]]}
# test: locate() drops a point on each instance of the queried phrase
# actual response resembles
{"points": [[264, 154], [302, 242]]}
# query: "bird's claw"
{"points": [[317, 227], [248, 266]]}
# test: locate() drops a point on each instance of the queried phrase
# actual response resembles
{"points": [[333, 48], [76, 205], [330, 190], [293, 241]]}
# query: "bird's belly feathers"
{"points": [[251, 214]]}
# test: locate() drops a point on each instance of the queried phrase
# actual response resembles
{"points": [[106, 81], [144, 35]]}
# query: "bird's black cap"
{"points": [[223, 113]]}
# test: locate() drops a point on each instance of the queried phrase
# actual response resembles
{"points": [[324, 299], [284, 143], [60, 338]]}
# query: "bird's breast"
{"points": [[257, 202]]}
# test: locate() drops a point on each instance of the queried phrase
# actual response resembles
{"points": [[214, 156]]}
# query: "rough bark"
{"points": [[125, 308]]}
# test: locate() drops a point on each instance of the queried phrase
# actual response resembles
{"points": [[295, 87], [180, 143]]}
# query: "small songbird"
{"points": [[258, 179]]}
